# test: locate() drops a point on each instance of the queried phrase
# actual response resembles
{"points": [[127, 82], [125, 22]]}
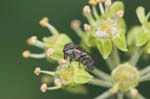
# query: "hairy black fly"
{"points": [[76, 53]]}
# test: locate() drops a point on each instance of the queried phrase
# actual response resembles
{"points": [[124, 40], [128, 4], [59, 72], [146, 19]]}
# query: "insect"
{"points": [[76, 53]]}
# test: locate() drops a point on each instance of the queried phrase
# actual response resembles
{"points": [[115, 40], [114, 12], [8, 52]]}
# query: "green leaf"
{"points": [[140, 11], [104, 46], [120, 41], [81, 77], [142, 37]]}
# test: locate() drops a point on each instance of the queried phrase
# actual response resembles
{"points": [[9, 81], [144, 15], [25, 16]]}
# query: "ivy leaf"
{"points": [[120, 41], [104, 46], [140, 11], [81, 77]]}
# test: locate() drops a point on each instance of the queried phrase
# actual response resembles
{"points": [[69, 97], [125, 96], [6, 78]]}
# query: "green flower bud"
{"points": [[126, 76], [73, 74]]}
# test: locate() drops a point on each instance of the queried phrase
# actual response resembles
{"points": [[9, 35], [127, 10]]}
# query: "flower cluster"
{"points": [[105, 31]]}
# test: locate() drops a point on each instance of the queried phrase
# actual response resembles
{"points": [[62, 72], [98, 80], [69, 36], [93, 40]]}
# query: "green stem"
{"points": [[101, 74], [79, 32], [53, 88], [48, 73], [95, 12], [114, 60], [105, 95], [120, 95], [101, 83], [136, 55], [90, 19], [145, 70], [109, 63], [52, 29], [101, 8], [116, 57], [145, 78], [139, 96]]}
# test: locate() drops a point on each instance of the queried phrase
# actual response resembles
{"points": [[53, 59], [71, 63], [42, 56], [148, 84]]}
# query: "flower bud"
{"points": [[126, 75]]}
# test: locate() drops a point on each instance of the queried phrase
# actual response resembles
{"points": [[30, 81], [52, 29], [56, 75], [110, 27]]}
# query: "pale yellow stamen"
{"points": [[93, 2], [133, 92], [58, 82], [107, 3], [44, 88], [32, 40], [37, 71], [62, 62], [43, 22], [120, 13], [26, 54], [87, 27], [115, 88], [86, 10], [75, 24], [50, 52]]}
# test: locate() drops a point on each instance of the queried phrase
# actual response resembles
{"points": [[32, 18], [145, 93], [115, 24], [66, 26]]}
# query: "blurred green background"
{"points": [[19, 19]]}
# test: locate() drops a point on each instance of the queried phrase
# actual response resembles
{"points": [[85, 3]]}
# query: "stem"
{"points": [[101, 74], [120, 95], [38, 56], [95, 12], [90, 19], [53, 88], [48, 73], [79, 32], [101, 8], [101, 83], [139, 96], [109, 63], [52, 29], [145, 77], [145, 70], [136, 55], [104, 95], [114, 59]]}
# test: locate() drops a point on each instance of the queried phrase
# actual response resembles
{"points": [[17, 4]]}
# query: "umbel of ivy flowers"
{"points": [[66, 75], [106, 32], [140, 34]]}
